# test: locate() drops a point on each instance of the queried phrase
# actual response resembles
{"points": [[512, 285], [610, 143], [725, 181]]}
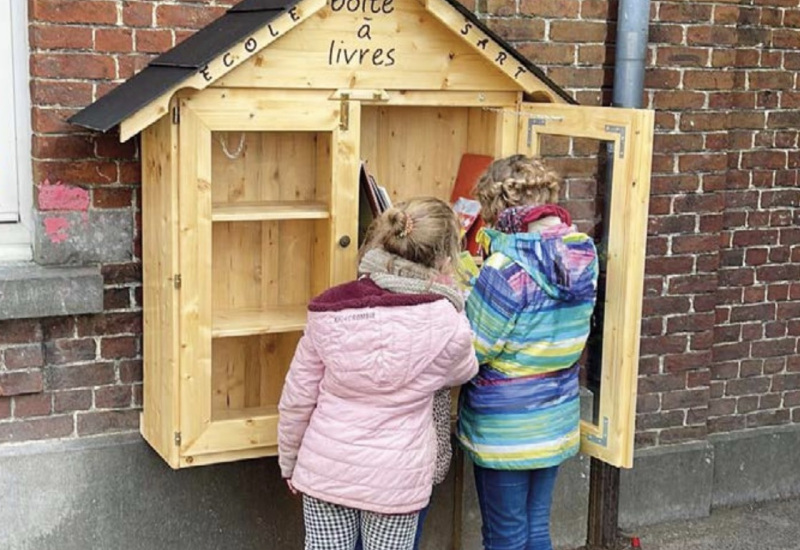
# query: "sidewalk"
{"points": [[767, 526]]}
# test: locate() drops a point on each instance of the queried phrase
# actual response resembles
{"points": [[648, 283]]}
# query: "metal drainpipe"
{"points": [[632, 26], [629, 68]]}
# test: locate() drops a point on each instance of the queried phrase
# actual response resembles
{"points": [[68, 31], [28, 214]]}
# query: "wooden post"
{"points": [[458, 496], [603, 506]]}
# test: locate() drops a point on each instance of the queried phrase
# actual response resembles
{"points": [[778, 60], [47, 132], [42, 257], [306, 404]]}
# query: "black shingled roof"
{"points": [[194, 53]]}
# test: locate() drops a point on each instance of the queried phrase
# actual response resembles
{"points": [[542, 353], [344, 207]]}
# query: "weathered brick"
{"points": [[33, 405], [747, 386], [686, 433], [113, 40], [21, 382], [59, 352], [662, 383], [37, 428], [23, 357], [60, 37], [726, 424], [112, 397], [20, 331], [685, 399], [75, 11], [660, 420], [80, 376], [767, 418], [722, 407], [96, 422], [117, 347], [746, 404], [72, 400]]}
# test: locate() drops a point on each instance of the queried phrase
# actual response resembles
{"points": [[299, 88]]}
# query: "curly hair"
{"points": [[516, 181]]}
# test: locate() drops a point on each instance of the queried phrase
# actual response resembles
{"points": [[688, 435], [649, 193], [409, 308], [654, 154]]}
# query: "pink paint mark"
{"points": [[56, 229], [58, 196]]}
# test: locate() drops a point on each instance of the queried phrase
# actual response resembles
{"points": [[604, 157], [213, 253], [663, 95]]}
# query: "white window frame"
{"points": [[16, 229]]}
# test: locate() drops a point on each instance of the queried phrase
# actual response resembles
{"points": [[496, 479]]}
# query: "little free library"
{"points": [[253, 135]]}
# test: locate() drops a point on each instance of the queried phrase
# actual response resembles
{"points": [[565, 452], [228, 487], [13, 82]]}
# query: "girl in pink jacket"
{"points": [[356, 432]]}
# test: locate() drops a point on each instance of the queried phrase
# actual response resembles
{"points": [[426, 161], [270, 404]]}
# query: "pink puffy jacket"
{"points": [[356, 424]]}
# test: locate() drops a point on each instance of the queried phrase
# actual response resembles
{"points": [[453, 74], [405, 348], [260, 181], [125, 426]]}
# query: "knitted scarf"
{"points": [[396, 274]]}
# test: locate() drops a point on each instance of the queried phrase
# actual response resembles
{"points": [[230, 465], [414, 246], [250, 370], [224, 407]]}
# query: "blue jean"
{"points": [[515, 507], [417, 537]]}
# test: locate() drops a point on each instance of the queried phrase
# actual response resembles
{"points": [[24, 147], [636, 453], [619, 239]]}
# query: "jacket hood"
{"points": [[562, 261], [365, 293], [374, 341]]}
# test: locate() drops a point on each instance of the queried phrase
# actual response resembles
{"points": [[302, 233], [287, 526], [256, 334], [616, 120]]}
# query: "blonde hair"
{"points": [[422, 230], [516, 181]]}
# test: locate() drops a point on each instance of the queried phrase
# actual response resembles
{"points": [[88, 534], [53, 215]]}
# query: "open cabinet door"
{"points": [[609, 435], [268, 209]]}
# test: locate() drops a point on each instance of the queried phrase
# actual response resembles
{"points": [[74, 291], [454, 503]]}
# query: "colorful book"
{"points": [[470, 169]]}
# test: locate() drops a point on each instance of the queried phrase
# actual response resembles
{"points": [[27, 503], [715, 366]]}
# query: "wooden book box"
{"points": [[252, 134]]}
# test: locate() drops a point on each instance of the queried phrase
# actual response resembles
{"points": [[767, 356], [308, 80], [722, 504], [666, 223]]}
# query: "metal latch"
{"points": [[344, 112]]}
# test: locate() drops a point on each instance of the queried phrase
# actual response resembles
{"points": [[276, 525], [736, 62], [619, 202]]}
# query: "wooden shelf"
{"points": [[269, 210], [249, 322], [245, 413]]}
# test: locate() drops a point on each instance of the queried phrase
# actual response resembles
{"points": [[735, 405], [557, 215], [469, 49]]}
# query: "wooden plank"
{"points": [[247, 322], [244, 111], [229, 456], [453, 98], [227, 61], [195, 261], [491, 51], [237, 434], [321, 244], [603, 520], [160, 416], [635, 232], [419, 150], [345, 168], [276, 352], [406, 48], [269, 210]]}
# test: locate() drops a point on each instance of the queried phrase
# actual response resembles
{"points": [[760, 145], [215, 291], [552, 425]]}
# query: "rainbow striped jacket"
{"points": [[530, 310]]}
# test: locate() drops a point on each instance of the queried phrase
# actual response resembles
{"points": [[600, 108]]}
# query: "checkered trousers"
{"points": [[333, 527]]}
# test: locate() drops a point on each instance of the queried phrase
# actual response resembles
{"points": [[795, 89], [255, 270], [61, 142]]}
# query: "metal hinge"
{"points": [[344, 112], [176, 281], [177, 439], [176, 114], [622, 132]]}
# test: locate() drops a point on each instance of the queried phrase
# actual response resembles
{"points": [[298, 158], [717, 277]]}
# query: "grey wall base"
{"points": [[115, 493]]}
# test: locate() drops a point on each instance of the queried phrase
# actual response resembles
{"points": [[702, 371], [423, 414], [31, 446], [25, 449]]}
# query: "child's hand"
{"points": [[290, 485]]}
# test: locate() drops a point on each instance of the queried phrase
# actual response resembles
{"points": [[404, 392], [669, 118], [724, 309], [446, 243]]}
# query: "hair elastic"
{"points": [[408, 228]]}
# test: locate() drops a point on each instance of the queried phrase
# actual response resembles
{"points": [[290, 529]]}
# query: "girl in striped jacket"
{"points": [[530, 310]]}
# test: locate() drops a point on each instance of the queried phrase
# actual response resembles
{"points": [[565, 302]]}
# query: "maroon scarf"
{"points": [[517, 218]]}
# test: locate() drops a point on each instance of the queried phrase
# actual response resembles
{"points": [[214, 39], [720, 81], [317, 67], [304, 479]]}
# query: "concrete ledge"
{"points": [[115, 492], [29, 290], [667, 483], [756, 465], [81, 238]]}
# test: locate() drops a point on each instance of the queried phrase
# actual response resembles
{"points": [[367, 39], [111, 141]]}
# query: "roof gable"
{"points": [[390, 44]]}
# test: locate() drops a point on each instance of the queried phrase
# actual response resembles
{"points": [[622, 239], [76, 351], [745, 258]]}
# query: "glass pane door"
{"points": [[572, 137]]}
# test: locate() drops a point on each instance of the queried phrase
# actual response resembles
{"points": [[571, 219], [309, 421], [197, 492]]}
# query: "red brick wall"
{"points": [[79, 376], [722, 299], [722, 293]]}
